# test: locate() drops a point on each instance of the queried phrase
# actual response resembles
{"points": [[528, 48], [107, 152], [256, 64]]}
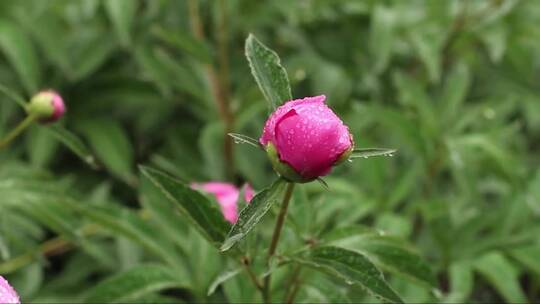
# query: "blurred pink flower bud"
{"points": [[7, 293], [59, 107], [248, 193], [304, 139], [47, 106], [227, 196]]}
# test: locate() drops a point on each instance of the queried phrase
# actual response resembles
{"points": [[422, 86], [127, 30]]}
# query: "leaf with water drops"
{"points": [[270, 75], [388, 253], [371, 152], [253, 213], [244, 139], [350, 266]]}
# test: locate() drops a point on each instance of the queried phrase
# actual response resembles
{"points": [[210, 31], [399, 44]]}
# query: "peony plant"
{"points": [[303, 140]]}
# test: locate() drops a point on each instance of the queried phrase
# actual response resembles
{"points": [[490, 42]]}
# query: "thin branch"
{"points": [[28, 120], [251, 274], [52, 247], [219, 83]]}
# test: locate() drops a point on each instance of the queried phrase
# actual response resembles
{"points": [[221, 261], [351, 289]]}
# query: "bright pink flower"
{"points": [[307, 136], [7, 293], [227, 196]]}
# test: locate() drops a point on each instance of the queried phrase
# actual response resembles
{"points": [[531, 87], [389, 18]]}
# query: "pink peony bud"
{"points": [[7, 293], [227, 196], [47, 106], [304, 139]]}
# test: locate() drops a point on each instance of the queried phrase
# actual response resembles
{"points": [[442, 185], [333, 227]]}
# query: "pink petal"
{"points": [[227, 196], [269, 128], [7, 293], [59, 107]]}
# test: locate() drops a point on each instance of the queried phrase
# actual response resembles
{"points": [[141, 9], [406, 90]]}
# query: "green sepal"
{"points": [[41, 106], [344, 156], [282, 168]]}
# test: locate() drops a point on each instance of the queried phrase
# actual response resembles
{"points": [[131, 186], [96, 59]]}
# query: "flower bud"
{"points": [[304, 139], [227, 196], [7, 293], [46, 106]]}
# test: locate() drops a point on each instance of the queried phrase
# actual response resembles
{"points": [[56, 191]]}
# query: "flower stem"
{"points": [[55, 246], [17, 131], [245, 262], [275, 238]]}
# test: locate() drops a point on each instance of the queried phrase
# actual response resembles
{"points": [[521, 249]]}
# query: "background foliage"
{"points": [[453, 85]]}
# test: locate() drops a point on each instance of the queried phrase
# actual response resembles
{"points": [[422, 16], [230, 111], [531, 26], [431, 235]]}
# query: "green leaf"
{"points": [[528, 256], [381, 36], [428, 46], [111, 144], [223, 277], [349, 236], [4, 250], [40, 146], [74, 143], [162, 212], [211, 143], [386, 252], [202, 213], [371, 152], [244, 139], [122, 14], [352, 267], [270, 75], [413, 94], [405, 129], [49, 33], [397, 259], [49, 211], [19, 51], [121, 221], [185, 42], [14, 96], [132, 284], [502, 275], [253, 213], [461, 282], [455, 90], [91, 54]]}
